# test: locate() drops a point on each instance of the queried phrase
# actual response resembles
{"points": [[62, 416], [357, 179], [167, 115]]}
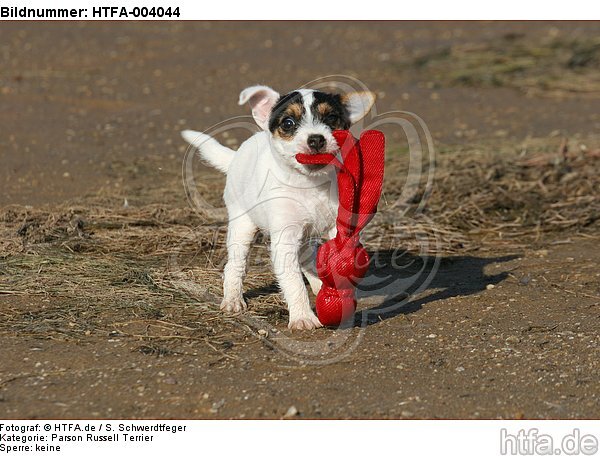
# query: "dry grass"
{"points": [[153, 272], [547, 190], [487, 198]]}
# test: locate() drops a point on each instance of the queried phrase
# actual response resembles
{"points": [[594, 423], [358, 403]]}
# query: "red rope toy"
{"points": [[342, 261]]}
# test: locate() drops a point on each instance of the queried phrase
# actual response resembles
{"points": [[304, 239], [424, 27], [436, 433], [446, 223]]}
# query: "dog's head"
{"points": [[302, 121]]}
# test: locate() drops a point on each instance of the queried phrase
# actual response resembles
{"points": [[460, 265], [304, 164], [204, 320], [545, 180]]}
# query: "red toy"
{"points": [[342, 261]]}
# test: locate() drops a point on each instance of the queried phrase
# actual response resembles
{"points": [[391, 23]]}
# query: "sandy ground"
{"points": [[93, 323]]}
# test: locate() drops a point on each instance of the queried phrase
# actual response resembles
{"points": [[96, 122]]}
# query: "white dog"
{"points": [[268, 189]]}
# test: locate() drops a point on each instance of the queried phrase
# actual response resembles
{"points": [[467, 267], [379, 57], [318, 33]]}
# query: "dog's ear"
{"points": [[261, 99], [358, 104]]}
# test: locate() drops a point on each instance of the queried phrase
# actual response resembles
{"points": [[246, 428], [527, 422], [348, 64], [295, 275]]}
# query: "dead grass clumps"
{"points": [[153, 272]]}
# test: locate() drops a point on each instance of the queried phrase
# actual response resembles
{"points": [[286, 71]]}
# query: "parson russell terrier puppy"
{"points": [[268, 190]]}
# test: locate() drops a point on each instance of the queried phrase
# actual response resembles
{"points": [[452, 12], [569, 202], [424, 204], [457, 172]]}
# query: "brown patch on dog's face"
{"points": [[324, 108], [294, 110], [286, 116], [331, 110]]}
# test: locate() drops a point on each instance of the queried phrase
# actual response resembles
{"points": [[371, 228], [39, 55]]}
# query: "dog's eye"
{"points": [[288, 124]]}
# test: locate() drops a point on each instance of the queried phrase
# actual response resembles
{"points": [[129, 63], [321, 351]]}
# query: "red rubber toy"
{"points": [[342, 261]]}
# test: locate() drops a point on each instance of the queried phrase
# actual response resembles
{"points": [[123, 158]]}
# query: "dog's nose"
{"points": [[316, 142]]}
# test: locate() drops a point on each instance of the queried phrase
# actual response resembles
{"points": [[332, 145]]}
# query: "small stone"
{"points": [[460, 369], [263, 332], [432, 336], [525, 280], [513, 340], [407, 414], [291, 412], [217, 405], [490, 286]]}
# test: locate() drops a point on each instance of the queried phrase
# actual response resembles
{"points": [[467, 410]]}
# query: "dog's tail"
{"points": [[210, 150]]}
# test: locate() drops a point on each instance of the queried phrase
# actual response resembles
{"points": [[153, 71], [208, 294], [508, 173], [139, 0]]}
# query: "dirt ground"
{"points": [[486, 304]]}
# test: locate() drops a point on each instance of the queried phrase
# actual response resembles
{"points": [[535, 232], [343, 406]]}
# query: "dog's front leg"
{"points": [[240, 234], [285, 245]]}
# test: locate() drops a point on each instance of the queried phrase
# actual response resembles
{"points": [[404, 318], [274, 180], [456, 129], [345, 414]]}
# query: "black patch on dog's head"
{"points": [[288, 105], [330, 109]]}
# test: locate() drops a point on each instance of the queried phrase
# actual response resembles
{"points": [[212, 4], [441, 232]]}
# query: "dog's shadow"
{"points": [[401, 282]]}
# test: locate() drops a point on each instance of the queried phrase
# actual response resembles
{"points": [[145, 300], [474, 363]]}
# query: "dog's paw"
{"points": [[309, 321], [233, 305]]}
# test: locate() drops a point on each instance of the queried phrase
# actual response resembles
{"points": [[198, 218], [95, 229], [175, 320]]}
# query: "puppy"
{"points": [[268, 190]]}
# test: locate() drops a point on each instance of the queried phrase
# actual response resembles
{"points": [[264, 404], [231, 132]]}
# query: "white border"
{"points": [[305, 438], [348, 9]]}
